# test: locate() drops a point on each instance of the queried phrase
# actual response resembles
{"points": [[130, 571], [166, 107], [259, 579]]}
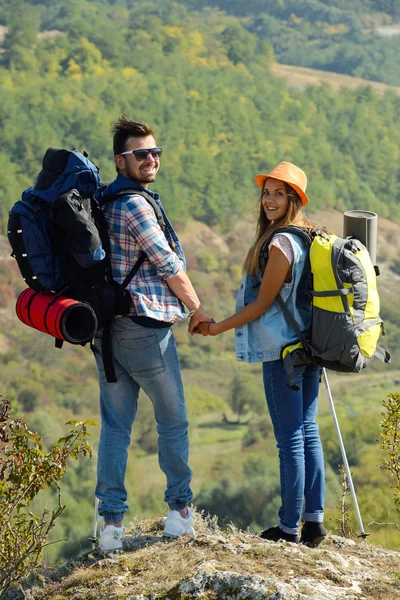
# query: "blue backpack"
{"points": [[59, 238], [63, 199]]}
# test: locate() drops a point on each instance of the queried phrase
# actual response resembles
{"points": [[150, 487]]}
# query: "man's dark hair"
{"points": [[125, 128]]}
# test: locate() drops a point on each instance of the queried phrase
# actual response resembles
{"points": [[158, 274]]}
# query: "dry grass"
{"points": [[302, 77], [153, 568]]}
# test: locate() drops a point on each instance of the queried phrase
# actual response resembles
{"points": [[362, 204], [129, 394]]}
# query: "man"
{"points": [[143, 345]]}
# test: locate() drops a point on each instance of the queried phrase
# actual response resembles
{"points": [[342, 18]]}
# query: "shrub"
{"points": [[208, 261], [257, 432], [28, 398], [246, 395], [395, 266], [390, 441], [25, 469], [201, 402]]}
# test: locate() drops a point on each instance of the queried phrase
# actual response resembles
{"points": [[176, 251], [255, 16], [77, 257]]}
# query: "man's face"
{"points": [[141, 171]]}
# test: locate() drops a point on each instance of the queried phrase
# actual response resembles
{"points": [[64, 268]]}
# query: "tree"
{"points": [[23, 27], [239, 43], [245, 395]]}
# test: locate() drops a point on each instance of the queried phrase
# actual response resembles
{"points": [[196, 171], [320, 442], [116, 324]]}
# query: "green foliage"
{"points": [[145, 427], [395, 266], [208, 260], [258, 430], [219, 113], [343, 508], [253, 502], [246, 395], [390, 442], [333, 36], [23, 26], [25, 470], [201, 402], [357, 430]]}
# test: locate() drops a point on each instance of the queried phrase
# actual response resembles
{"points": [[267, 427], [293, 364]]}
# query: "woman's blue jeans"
{"points": [[301, 461], [143, 358]]}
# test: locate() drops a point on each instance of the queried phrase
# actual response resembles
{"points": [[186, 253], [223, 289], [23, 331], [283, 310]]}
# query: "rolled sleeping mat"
{"points": [[362, 225], [66, 319]]}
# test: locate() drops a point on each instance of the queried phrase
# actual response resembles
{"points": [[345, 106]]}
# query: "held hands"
{"points": [[206, 328], [201, 323], [199, 316]]}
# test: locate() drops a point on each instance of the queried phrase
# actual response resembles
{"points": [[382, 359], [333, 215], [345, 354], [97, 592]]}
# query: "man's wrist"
{"points": [[196, 307]]}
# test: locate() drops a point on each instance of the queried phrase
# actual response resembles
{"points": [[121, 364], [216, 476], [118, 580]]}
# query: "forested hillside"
{"points": [[358, 38], [202, 79]]}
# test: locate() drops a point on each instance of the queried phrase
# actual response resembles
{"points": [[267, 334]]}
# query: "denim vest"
{"points": [[263, 339]]}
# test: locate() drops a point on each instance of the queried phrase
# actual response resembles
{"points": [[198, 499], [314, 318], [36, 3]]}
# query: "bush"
{"points": [[246, 395], [252, 503], [395, 266], [25, 469], [257, 432], [390, 442], [200, 402], [28, 398], [208, 261]]}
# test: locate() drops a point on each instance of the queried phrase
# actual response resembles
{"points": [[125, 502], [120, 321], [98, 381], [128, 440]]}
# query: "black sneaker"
{"points": [[276, 534], [312, 533]]}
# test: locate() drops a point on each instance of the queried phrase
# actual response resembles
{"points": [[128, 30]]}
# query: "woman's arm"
{"points": [[273, 279]]}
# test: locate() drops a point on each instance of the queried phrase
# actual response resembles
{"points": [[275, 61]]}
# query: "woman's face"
{"points": [[274, 199]]}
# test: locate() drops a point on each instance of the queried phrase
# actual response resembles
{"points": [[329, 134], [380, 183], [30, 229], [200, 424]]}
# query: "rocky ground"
{"points": [[222, 564]]}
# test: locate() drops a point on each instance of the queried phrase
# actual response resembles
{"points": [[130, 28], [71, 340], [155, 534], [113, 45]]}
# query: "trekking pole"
{"points": [[94, 536], [362, 533]]}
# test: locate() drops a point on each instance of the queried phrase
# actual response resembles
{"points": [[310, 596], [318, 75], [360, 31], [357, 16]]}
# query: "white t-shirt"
{"points": [[282, 242]]}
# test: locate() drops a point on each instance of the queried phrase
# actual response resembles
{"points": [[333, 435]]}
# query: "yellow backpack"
{"points": [[339, 280]]}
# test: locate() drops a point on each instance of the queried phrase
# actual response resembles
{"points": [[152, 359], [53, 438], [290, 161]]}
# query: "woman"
{"points": [[261, 333]]}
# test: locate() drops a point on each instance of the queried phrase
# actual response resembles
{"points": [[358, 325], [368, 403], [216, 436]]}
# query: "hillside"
{"points": [[203, 81], [358, 38], [300, 77], [223, 564]]}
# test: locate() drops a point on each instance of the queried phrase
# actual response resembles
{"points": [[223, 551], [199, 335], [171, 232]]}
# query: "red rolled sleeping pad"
{"points": [[61, 317]]}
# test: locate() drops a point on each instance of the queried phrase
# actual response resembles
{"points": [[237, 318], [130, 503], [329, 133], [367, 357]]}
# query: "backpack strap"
{"points": [[299, 231], [307, 238], [264, 255], [291, 320], [131, 191], [382, 355], [106, 346], [338, 292]]}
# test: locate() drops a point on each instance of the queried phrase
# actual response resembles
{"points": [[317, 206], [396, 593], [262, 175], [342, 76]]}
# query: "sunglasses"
{"points": [[142, 154]]}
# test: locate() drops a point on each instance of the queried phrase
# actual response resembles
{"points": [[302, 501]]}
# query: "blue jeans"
{"points": [[301, 461], [143, 358]]}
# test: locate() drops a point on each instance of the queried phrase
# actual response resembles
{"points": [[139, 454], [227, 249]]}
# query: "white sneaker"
{"points": [[111, 538], [177, 525]]}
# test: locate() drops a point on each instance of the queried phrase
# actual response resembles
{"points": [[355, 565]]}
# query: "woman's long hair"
{"points": [[266, 228]]}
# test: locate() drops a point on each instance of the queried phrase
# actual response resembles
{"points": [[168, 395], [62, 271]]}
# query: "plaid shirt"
{"points": [[133, 227]]}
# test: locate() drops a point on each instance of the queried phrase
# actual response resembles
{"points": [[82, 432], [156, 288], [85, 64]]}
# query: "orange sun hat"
{"points": [[289, 173]]}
